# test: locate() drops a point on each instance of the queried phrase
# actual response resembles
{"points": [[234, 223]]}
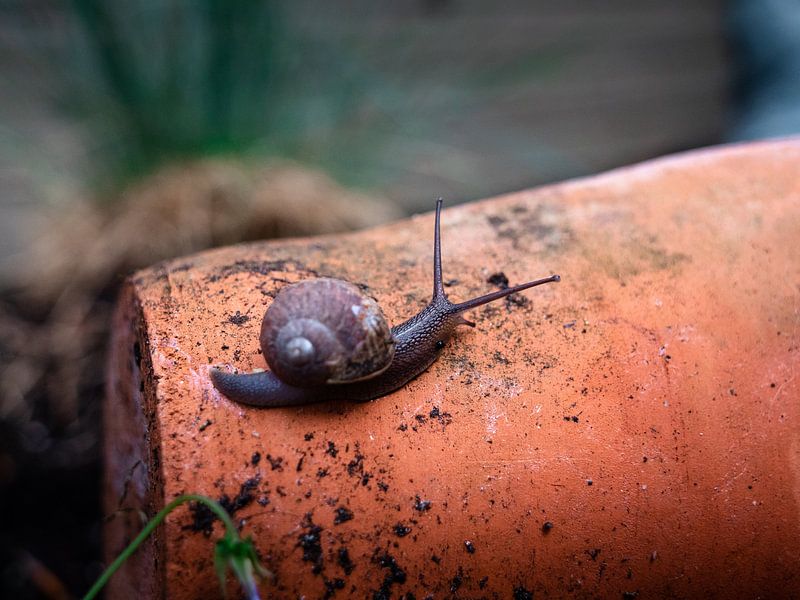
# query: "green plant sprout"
{"points": [[230, 551]]}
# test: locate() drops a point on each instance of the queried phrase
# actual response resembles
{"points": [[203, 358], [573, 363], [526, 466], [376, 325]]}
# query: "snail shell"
{"points": [[325, 331]]}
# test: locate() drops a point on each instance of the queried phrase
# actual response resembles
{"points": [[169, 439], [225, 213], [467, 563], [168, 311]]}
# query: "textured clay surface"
{"points": [[633, 431]]}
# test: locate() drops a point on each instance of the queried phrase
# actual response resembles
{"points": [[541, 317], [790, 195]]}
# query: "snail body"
{"points": [[324, 340]]}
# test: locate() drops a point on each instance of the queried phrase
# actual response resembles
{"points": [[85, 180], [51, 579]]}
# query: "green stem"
{"points": [[215, 507]]}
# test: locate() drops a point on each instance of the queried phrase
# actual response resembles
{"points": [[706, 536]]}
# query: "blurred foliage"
{"points": [[418, 99], [176, 79], [186, 76], [161, 80], [165, 80]]}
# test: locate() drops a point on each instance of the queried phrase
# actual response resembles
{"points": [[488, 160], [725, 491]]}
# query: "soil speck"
{"points": [[521, 593], [421, 505], [456, 581], [342, 515], [343, 558], [309, 541], [331, 449], [395, 575], [498, 279], [275, 462], [238, 318]]}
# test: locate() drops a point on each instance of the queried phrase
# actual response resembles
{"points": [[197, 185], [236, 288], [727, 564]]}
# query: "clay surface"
{"points": [[630, 432]]}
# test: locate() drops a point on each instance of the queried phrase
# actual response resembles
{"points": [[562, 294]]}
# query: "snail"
{"points": [[324, 340]]}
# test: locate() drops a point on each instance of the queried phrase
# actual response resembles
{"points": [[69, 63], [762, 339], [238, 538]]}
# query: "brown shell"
{"points": [[325, 331]]}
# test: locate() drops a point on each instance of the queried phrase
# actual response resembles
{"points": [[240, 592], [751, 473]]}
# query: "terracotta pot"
{"points": [[630, 431]]}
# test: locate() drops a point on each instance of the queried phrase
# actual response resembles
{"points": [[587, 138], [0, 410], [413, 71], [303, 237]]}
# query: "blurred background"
{"points": [[131, 132]]}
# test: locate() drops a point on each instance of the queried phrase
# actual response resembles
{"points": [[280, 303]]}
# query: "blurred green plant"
{"points": [[176, 79], [166, 80], [367, 96], [230, 551]]}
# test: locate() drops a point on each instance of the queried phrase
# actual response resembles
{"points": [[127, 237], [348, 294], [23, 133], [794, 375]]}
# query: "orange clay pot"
{"points": [[630, 432]]}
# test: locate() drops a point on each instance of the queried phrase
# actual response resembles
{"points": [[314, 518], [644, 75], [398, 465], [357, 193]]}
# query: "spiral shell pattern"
{"points": [[325, 331]]}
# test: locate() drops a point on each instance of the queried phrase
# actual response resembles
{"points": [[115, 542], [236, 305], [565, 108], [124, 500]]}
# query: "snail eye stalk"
{"points": [[438, 285]]}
